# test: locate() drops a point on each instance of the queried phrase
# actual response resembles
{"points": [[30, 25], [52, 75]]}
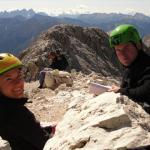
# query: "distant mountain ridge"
{"points": [[24, 13], [109, 21], [19, 28]]}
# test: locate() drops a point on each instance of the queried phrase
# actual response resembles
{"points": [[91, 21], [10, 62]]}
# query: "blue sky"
{"points": [[78, 6]]}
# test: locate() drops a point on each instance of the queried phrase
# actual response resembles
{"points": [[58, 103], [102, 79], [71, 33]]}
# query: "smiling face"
{"points": [[126, 53], [12, 84]]}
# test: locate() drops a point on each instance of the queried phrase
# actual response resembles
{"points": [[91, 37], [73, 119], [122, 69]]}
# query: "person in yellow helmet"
{"points": [[17, 124]]}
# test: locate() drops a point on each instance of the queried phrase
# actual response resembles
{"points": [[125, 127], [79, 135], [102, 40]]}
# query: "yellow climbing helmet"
{"points": [[8, 62]]}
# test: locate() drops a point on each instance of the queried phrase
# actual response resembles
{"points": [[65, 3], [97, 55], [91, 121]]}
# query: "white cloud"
{"points": [[77, 10]]}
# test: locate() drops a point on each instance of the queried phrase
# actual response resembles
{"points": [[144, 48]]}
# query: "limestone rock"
{"points": [[108, 121], [4, 145]]}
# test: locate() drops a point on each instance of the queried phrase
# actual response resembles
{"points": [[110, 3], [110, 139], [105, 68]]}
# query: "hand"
{"points": [[114, 88], [53, 129], [49, 128]]}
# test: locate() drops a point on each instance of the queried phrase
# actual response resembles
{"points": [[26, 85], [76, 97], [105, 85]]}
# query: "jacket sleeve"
{"points": [[139, 92], [26, 127]]}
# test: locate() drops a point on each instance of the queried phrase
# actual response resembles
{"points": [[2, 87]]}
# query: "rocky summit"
{"points": [[84, 121]]}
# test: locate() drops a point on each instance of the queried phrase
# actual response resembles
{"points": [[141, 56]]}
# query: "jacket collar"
{"points": [[12, 101]]}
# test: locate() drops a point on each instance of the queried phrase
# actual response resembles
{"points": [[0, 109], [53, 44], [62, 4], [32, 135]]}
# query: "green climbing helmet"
{"points": [[123, 34]]}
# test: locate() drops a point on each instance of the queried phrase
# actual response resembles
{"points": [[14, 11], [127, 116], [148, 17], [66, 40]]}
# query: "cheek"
{"points": [[120, 55], [132, 56], [6, 87], [6, 91], [3, 86], [21, 84]]}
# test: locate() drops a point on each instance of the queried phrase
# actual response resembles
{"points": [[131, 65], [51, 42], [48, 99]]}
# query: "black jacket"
{"points": [[136, 79], [59, 63], [19, 127]]}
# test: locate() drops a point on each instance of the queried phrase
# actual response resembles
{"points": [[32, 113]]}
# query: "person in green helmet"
{"points": [[127, 44], [18, 124]]}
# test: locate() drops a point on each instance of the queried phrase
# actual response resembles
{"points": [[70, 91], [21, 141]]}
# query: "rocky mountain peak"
{"points": [[86, 49]]}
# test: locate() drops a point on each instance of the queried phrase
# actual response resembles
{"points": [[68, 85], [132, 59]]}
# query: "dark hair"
{"points": [[52, 54]]}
